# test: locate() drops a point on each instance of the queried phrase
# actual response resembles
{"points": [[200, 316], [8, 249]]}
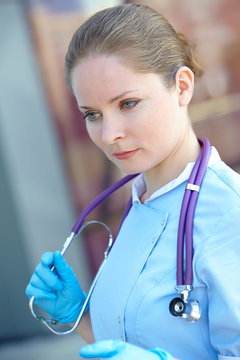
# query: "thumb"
{"points": [[104, 349]]}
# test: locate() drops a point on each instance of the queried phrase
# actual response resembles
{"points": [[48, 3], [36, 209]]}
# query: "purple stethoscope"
{"points": [[180, 306]]}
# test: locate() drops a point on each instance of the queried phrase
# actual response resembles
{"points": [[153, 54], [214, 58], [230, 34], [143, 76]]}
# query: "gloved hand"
{"points": [[119, 350], [57, 292]]}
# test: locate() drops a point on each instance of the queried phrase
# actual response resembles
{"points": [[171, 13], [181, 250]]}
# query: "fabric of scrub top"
{"points": [[131, 298]]}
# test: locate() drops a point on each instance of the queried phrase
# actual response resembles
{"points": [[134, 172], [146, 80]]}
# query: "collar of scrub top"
{"points": [[139, 186]]}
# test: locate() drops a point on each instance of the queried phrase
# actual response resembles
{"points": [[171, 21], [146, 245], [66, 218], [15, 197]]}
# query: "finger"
{"points": [[104, 349], [47, 259], [37, 282], [64, 271], [39, 294], [48, 277]]}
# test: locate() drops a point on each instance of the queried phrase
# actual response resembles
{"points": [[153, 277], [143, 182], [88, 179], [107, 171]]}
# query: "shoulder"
{"points": [[216, 224], [218, 205], [221, 186], [225, 177]]}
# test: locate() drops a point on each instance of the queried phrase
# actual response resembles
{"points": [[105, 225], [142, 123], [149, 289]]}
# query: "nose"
{"points": [[112, 130]]}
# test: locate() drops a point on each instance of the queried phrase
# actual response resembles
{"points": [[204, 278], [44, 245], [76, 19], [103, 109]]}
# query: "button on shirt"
{"points": [[132, 295]]}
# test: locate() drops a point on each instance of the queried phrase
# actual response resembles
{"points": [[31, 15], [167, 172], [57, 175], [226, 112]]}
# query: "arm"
{"points": [[84, 329], [218, 267]]}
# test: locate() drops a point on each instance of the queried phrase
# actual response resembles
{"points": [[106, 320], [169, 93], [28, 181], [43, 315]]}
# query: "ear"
{"points": [[184, 85]]}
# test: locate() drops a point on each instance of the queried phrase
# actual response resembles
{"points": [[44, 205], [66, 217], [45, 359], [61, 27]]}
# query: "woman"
{"points": [[133, 77]]}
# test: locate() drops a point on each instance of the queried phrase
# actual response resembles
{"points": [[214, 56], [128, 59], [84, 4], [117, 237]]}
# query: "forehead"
{"points": [[101, 70], [100, 77]]}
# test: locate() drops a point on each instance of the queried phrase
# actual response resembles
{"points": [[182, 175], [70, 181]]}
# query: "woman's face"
{"points": [[131, 116]]}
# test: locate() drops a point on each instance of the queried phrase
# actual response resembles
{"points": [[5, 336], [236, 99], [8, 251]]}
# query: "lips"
{"points": [[125, 154]]}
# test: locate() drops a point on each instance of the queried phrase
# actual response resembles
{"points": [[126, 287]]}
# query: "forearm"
{"points": [[84, 329]]}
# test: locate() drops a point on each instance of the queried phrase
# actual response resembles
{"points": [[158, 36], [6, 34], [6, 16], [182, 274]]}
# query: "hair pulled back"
{"points": [[137, 34]]}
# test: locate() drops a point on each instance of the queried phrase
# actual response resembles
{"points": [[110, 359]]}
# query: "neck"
{"points": [[187, 150]]}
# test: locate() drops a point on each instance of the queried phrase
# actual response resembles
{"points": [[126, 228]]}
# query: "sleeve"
{"points": [[218, 266]]}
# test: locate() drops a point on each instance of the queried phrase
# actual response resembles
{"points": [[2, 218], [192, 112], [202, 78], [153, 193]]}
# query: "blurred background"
{"points": [[49, 170]]}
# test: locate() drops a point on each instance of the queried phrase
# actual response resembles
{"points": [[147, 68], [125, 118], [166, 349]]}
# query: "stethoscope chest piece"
{"points": [[177, 307], [183, 307]]}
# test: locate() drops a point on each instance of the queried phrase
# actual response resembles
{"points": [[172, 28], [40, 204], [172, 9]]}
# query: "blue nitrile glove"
{"points": [[56, 292], [119, 350]]}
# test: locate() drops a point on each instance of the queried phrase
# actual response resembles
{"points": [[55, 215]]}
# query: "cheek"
{"points": [[160, 126], [164, 116], [92, 132], [95, 133], [153, 122]]}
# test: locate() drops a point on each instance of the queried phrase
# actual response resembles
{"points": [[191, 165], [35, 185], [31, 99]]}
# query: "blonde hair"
{"points": [[138, 34]]}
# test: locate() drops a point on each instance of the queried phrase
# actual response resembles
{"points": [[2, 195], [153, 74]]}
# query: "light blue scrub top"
{"points": [[131, 298]]}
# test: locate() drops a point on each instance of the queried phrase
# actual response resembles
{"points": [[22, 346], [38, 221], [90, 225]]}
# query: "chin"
{"points": [[131, 170]]}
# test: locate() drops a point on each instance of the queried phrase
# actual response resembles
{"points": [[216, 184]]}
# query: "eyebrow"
{"points": [[111, 100]]}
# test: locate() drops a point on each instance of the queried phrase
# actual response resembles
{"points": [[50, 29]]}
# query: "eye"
{"points": [[91, 116], [129, 104]]}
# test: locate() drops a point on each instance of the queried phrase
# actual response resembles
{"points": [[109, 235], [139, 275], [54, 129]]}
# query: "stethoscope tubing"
{"points": [[186, 218], [182, 223], [102, 196]]}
